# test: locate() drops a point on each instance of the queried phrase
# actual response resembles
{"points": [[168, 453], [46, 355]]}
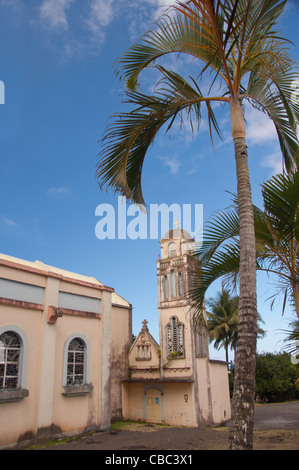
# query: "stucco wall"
{"points": [[51, 409], [121, 338], [18, 419], [77, 413], [220, 392], [133, 401], [179, 412]]}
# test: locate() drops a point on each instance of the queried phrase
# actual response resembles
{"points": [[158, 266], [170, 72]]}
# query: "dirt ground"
{"points": [[276, 428]]}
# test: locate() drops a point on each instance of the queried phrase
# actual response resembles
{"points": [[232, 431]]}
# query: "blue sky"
{"points": [[56, 61]]}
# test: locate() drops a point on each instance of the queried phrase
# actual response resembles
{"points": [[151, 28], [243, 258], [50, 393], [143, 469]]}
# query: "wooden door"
{"points": [[153, 406]]}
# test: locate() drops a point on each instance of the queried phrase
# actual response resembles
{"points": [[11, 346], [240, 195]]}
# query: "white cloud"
{"points": [[274, 162], [58, 192], [259, 127], [172, 163], [101, 14], [53, 12], [10, 223], [95, 16]]}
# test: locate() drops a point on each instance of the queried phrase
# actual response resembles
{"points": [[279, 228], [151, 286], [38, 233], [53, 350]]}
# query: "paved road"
{"points": [[277, 416]]}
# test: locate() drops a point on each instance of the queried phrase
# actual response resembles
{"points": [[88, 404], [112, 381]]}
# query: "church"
{"points": [[175, 382], [68, 365]]}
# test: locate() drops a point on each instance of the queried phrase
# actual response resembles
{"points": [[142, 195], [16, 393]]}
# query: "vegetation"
{"points": [[275, 377], [292, 341], [236, 43], [222, 321], [277, 241]]}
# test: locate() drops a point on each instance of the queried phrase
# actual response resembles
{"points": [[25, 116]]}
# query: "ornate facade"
{"points": [[175, 381]]}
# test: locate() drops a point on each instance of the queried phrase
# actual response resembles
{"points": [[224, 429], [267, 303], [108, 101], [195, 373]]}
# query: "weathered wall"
{"points": [[178, 411], [45, 406], [220, 392], [121, 338]]}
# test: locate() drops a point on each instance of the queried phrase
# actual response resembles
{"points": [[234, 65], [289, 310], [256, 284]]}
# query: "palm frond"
{"points": [[278, 106], [130, 134], [277, 243], [202, 29]]}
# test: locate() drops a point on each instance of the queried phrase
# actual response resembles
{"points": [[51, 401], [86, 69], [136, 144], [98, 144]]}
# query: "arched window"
{"points": [[76, 367], [75, 362], [171, 250], [13, 363], [165, 281], [172, 283], [10, 352], [180, 284], [175, 337]]}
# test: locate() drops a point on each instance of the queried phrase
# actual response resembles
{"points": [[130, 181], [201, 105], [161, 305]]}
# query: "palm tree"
{"points": [[237, 42], [292, 339], [222, 320], [277, 242]]}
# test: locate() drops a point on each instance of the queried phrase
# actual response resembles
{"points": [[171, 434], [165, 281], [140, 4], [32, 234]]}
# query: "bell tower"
{"points": [[175, 381], [179, 342]]}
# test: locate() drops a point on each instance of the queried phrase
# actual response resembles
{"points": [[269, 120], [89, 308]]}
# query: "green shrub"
{"points": [[275, 377]]}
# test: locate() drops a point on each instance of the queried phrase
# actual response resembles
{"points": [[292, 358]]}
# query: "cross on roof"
{"points": [[144, 323], [177, 223]]}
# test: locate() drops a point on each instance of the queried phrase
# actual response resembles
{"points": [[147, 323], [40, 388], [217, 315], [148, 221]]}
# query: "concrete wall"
{"points": [[133, 401], [44, 407], [220, 392], [179, 404], [121, 339]]}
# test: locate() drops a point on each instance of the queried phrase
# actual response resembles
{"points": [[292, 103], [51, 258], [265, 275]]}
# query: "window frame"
{"points": [[19, 392], [165, 287], [174, 336], [172, 250], [86, 387], [173, 289]]}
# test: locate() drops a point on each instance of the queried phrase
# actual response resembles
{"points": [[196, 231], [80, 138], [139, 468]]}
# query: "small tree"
{"points": [[275, 377], [222, 320]]}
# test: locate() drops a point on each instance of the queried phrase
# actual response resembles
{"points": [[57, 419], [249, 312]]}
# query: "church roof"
{"points": [[176, 233]]}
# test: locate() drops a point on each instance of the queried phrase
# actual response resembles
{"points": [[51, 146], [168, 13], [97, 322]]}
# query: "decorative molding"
{"points": [[14, 394], [20, 304], [75, 390], [54, 313], [45, 273]]}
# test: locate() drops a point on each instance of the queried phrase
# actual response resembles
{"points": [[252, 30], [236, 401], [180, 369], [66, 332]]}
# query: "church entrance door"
{"points": [[153, 406]]}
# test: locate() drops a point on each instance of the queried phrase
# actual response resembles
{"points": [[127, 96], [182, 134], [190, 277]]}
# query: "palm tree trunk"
{"points": [[241, 429], [226, 349], [296, 297]]}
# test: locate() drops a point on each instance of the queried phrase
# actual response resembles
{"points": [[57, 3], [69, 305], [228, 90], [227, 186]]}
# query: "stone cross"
{"points": [[144, 323]]}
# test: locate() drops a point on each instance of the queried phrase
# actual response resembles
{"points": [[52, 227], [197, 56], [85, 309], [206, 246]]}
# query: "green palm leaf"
{"points": [[128, 138], [277, 241]]}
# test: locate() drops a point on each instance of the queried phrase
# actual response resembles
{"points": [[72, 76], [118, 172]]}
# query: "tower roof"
{"points": [[176, 233]]}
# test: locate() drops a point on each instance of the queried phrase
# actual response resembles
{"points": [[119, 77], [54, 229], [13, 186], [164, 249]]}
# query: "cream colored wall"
{"points": [[220, 392], [121, 338], [19, 275], [66, 416], [183, 316], [203, 390], [178, 412], [47, 411], [133, 401], [18, 419], [153, 362]]}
